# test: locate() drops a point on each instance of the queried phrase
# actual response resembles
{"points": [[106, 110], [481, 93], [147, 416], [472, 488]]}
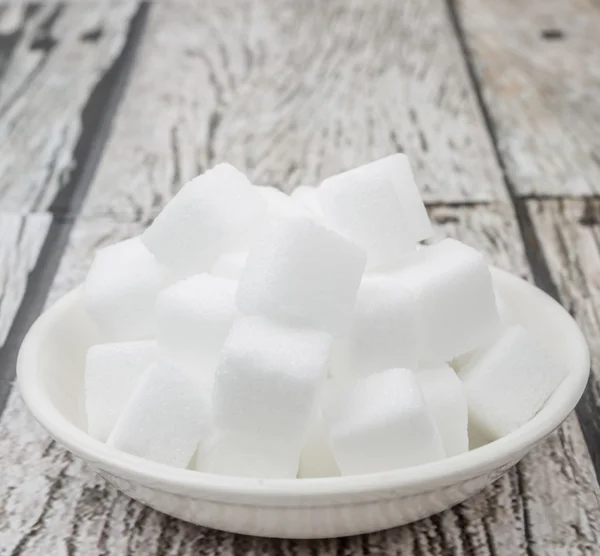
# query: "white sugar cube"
{"points": [[446, 400], [120, 290], [216, 212], [384, 330], [193, 317], [378, 207], [268, 381], [457, 308], [246, 455], [397, 166], [282, 204], [504, 313], [508, 384], [230, 265], [165, 417], [384, 423], [111, 374], [279, 202], [307, 196], [316, 458], [300, 273], [506, 320]]}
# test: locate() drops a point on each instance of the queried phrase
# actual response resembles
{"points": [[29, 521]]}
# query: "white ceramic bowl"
{"points": [[50, 372]]}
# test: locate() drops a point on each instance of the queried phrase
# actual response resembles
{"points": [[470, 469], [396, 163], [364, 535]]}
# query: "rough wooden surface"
{"points": [[21, 237], [544, 133], [290, 92], [539, 67], [53, 57], [569, 232]]}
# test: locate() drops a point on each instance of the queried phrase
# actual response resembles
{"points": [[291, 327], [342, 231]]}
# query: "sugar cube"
{"points": [[120, 290], [397, 166], [268, 381], [383, 333], [279, 202], [384, 423], [316, 458], [377, 206], [504, 312], [506, 319], [216, 212], [457, 308], [282, 204], [246, 455], [298, 272], [193, 317], [111, 374], [509, 383], [230, 265], [307, 196], [446, 400], [165, 417]]}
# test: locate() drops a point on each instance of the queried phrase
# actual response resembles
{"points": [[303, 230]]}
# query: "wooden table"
{"points": [[106, 107]]}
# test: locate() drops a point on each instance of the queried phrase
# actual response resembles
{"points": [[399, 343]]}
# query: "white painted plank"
{"points": [[569, 233], [49, 68], [292, 92], [539, 68]]}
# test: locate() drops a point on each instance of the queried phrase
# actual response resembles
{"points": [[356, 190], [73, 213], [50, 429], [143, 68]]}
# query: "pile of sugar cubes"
{"points": [[253, 333]]}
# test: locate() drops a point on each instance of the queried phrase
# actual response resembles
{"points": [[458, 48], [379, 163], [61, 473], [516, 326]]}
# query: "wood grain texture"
{"points": [[291, 92], [52, 58], [539, 68], [569, 232], [543, 132], [53, 504], [21, 238]]}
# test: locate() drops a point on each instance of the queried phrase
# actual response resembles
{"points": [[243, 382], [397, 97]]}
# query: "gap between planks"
{"points": [[588, 418], [428, 536], [97, 116]]}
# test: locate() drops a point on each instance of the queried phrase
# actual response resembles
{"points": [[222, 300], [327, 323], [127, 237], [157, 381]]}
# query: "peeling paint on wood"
{"points": [[290, 93], [46, 78], [539, 66]]}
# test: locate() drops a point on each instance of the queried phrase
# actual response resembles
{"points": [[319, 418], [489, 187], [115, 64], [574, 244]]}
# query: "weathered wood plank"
{"points": [[21, 238], [21, 241], [11, 17], [544, 132], [291, 92], [569, 233], [53, 56], [539, 68], [288, 94], [54, 504]]}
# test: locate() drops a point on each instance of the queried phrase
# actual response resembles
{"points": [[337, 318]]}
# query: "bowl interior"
{"points": [[61, 359], [51, 364]]}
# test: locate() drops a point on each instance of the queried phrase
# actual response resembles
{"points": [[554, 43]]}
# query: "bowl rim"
{"points": [[422, 478]]}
